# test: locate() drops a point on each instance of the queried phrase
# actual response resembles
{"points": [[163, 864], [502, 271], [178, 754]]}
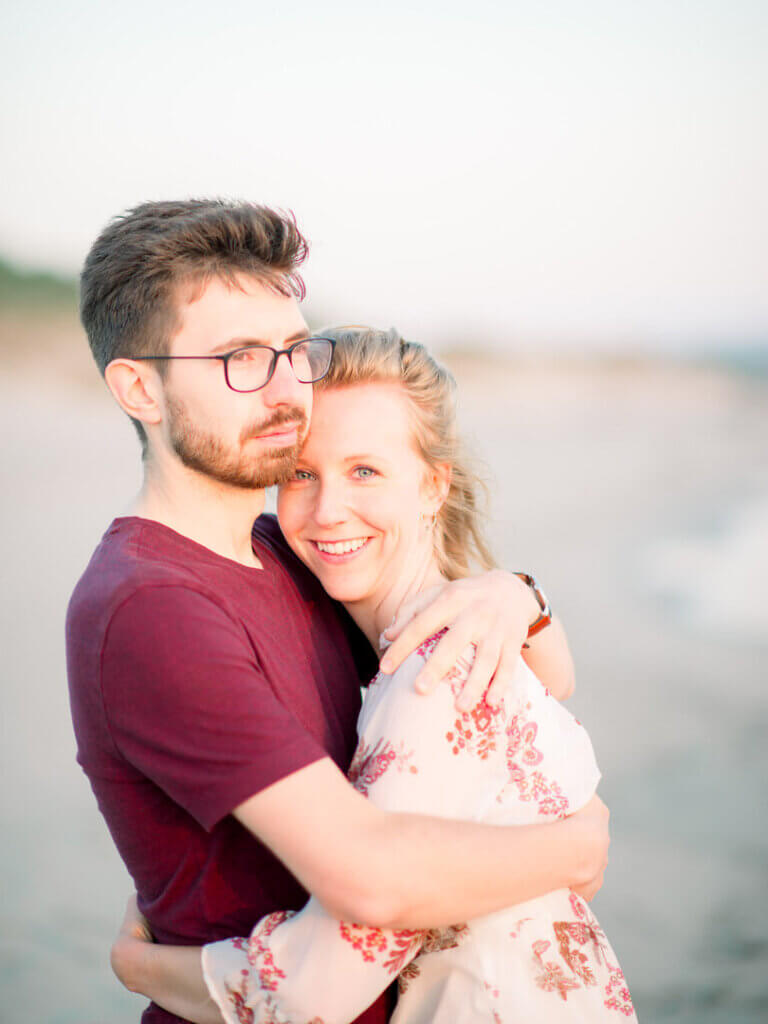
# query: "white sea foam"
{"points": [[719, 580]]}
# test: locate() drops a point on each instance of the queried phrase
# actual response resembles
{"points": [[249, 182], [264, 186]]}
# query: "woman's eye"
{"points": [[302, 474], [364, 472]]}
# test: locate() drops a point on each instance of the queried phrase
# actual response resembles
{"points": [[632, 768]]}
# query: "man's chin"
{"points": [[271, 472], [281, 469], [274, 467]]}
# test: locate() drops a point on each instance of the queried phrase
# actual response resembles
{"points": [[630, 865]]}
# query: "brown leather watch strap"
{"points": [[546, 612]]}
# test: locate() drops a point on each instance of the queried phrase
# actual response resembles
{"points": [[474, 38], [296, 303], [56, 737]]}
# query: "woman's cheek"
{"points": [[289, 512]]}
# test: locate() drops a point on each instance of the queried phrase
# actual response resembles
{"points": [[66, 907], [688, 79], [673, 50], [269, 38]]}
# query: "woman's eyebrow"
{"points": [[366, 457]]}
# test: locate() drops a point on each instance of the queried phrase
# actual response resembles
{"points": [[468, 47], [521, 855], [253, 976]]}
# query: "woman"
{"points": [[383, 506]]}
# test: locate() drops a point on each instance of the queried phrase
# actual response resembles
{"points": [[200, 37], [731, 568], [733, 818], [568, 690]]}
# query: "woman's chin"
{"points": [[341, 591]]}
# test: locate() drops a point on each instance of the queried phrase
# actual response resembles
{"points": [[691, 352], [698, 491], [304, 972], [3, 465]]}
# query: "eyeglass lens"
{"points": [[250, 368]]}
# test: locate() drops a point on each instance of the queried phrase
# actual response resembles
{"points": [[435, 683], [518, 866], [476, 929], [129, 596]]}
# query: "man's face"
{"points": [[248, 440]]}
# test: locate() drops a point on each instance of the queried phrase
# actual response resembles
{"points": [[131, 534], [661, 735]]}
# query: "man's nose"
{"points": [[283, 387]]}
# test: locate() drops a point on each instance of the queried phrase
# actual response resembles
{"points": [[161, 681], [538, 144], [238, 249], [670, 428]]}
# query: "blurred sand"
{"points": [[637, 493]]}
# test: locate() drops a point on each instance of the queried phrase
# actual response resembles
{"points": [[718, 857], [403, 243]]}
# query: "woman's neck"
{"points": [[374, 613]]}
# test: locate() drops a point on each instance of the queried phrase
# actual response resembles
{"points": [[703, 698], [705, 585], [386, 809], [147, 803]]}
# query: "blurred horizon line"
{"points": [[37, 290]]}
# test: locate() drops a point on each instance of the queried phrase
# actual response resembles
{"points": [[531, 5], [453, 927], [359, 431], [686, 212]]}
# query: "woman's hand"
{"points": [[492, 611], [128, 955], [170, 976]]}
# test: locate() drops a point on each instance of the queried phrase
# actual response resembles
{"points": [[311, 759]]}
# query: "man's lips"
{"points": [[287, 433], [285, 427]]}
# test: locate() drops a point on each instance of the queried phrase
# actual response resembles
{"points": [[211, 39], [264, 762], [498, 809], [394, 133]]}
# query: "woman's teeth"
{"points": [[340, 547]]}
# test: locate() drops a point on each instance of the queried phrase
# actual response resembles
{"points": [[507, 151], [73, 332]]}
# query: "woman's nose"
{"points": [[329, 505]]}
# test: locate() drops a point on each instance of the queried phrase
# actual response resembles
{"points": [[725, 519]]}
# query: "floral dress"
{"points": [[541, 962]]}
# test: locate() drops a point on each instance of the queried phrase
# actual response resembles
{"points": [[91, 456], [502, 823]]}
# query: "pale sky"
{"points": [[588, 172]]}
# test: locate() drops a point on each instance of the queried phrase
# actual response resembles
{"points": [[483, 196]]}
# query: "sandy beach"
{"points": [[637, 492]]}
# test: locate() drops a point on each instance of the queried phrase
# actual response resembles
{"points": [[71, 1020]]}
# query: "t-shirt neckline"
{"points": [[267, 559]]}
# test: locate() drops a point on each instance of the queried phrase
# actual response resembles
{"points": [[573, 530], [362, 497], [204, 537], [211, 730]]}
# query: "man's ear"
{"points": [[136, 388]]}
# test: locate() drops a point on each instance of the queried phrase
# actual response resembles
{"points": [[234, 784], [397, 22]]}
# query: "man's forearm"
{"points": [[438, 872], [393, 869]]}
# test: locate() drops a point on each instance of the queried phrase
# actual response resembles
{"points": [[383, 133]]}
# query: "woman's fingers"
{"points": [[492, 611], [411, 608], [502, 678], [437, 613], [444, 656], [482, 672], [134, 924]]}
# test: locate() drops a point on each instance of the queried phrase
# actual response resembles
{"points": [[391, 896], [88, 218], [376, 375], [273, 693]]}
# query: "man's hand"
{"points": [[591, 824], [129, 948], [492, 611]]}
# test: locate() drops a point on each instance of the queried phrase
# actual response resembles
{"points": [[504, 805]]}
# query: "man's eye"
{"points": [[249, 355], [364, 472]]}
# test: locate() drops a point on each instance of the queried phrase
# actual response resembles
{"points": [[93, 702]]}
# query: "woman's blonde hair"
{"points": [[364, 355]]}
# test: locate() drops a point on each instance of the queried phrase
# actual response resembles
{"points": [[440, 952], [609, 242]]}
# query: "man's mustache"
{"points": [[292, 414]]}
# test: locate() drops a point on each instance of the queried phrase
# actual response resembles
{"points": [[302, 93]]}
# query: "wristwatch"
{"points": [[546, 612]]}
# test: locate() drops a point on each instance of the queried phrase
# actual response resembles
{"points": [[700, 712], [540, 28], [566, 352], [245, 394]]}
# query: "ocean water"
{"points": [[731, 553], [641, 501]]}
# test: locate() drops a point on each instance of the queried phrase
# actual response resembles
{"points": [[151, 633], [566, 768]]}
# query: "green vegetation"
{"points": [[29, 289]]}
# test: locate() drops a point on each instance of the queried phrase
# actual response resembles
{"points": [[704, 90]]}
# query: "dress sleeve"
{"points": [[416, 754]]}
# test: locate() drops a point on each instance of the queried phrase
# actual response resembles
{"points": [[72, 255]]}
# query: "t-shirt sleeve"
{"points": [[188, 704]]}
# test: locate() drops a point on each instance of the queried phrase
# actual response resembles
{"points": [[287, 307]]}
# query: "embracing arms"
{"points": [[394, 870], [418, 871]]}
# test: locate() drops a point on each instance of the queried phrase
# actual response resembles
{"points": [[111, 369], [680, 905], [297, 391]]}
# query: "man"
{"points": [[214, 686]]}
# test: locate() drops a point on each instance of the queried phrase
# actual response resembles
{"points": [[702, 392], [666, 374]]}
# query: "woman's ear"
{"points": [[437, 484], [137, 389]]}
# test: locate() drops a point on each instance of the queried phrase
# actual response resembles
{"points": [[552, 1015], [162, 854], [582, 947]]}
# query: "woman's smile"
{"points": [[358, 508], [337, 551]]}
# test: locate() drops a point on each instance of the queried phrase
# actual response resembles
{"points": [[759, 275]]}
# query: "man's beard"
{"points": [[206, 453]]}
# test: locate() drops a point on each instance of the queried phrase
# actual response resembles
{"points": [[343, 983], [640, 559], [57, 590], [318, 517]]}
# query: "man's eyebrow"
{"points": [[233, 343]]}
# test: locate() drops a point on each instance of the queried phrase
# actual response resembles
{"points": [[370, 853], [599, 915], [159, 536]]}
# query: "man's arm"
{"points": [[271, 971], [172, 976], [218, 739], [413, 871]]}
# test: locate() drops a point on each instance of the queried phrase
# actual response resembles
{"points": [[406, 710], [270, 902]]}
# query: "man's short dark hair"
{"points": [[131, 276]]}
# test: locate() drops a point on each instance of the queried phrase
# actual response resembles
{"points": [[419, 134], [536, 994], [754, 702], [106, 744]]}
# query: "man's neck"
{"points": [[216, 515]]}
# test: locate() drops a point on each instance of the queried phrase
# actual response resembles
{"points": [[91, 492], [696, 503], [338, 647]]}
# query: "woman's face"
{"points": [[358, 509]]}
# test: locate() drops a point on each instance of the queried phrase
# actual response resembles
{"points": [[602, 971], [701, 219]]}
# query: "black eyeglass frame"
{"points": [[276, 353]]}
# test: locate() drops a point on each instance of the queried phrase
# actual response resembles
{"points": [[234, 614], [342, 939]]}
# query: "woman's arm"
{"points": [[170, 976], [493, 611], [549, 658]]}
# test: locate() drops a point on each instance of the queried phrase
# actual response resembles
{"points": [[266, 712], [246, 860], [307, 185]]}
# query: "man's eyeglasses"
{"points": [[251, 368]]}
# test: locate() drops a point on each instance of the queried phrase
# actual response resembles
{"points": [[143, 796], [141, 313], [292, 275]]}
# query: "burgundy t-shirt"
{"points": [[195, 682]]}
